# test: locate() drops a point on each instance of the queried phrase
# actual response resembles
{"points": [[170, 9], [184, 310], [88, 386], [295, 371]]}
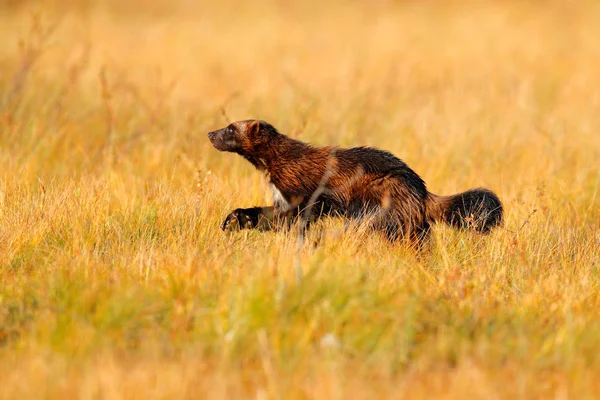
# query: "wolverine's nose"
{"points": [[211, 135]]}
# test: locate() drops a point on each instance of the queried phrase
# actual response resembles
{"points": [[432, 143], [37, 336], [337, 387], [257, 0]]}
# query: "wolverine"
{"points": [[360, 183]]}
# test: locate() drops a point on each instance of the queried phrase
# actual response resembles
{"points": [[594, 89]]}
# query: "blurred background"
{"points": [[504, 91]]}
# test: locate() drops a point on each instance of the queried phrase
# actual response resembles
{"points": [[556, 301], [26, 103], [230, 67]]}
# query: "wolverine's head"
{"points": [[243, 137]]}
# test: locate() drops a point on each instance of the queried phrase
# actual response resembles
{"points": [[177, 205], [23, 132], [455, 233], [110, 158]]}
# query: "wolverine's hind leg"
{"points": [[419, 236], [416, 235]]}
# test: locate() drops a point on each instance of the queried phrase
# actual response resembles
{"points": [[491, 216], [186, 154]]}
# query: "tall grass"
{"points": [[115, 281]]}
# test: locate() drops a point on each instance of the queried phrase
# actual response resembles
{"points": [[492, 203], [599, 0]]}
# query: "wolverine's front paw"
{"points": [[239, 219]]}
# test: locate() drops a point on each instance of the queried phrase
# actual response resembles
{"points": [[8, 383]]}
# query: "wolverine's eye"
{"points": [[229, 137]]}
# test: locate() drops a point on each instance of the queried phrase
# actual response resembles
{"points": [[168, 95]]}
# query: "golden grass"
{"points": [[115, 281]]}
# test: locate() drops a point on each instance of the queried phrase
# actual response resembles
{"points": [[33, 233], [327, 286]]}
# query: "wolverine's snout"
{"points": [[214, 137], [219, 141]]}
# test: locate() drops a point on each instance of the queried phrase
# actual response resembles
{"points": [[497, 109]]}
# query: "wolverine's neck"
{"points": [[278, 152], [294, 167]]}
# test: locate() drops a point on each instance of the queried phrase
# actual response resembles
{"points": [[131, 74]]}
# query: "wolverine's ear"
{"points": [[253, 127]]}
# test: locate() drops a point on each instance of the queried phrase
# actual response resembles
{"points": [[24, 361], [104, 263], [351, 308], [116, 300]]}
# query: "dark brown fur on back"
{"points": [[360, 182]]}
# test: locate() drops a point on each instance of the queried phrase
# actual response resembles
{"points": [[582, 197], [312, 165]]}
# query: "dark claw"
{"points": [[232, 218], [240, 219]]}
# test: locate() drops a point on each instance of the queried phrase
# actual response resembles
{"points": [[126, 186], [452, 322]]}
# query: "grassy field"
{"points": [[115, 281]]}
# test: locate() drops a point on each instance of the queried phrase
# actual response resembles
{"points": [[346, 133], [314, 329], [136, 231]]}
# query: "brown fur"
{"points": [[364, 183]]}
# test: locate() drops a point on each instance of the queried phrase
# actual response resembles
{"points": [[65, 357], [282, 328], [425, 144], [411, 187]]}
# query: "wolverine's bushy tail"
{"points": [[478, 209]]}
